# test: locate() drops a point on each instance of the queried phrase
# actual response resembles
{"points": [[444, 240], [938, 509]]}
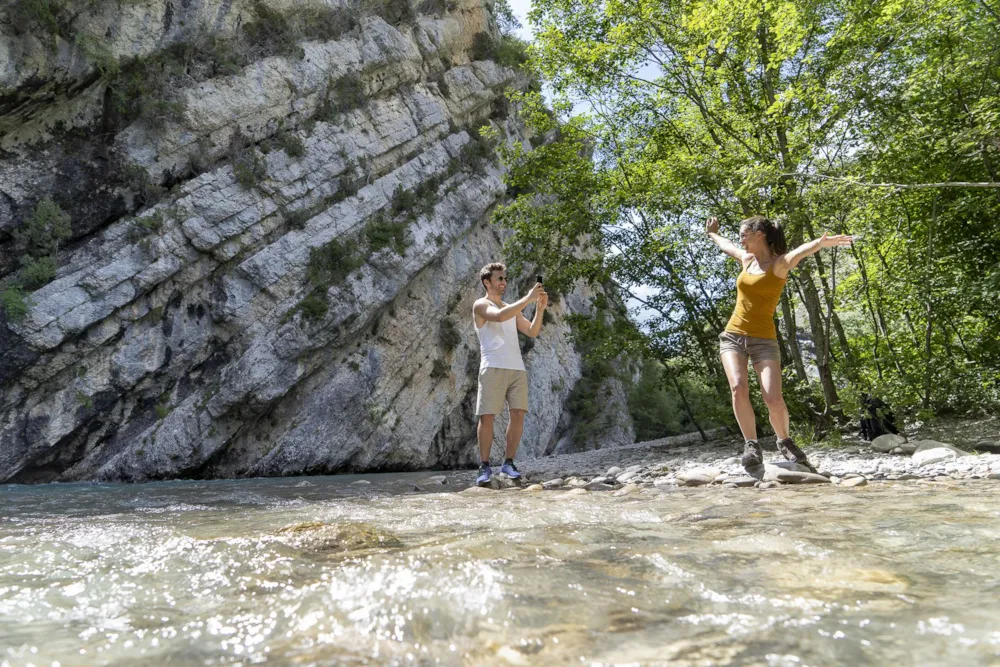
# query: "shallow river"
{"points": [[201, 573]]}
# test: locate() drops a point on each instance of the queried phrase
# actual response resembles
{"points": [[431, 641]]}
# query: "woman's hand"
{"points": [[827, 241], [712, 226]]}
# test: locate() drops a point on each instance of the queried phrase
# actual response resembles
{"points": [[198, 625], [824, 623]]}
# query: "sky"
{"points": [[521, 8]]}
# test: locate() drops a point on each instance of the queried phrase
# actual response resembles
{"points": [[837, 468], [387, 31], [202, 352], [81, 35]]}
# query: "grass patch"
{"points": [[15, 302], [507, 50], [291, 144], [330, 264], [440, 369]]}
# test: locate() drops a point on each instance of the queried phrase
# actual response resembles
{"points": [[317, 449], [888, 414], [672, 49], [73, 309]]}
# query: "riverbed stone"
{"points": [[887, 442], [628, 490], [614, 471], [740, 481], [577, 492], [599, 486], [855, 481], [339, 537], [553, 483], [626, 476], [534, 488], [924, 457], [922, 445], [698, 476], [787, 476]]}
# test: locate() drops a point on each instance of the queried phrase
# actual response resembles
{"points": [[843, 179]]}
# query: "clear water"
{"points": [[199, 573]]}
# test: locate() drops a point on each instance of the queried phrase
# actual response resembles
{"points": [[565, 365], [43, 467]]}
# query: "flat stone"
{"points": [[626, 476], [634, 468], [535, 488], [794, 477], [740, 481], [923, 457], [627, 490], [553, 483], [906, 476], [614, 471], [835, 479], [769, 485], [598, 486], [855, 481], [922, 445], [698, 476], [887, 442]]}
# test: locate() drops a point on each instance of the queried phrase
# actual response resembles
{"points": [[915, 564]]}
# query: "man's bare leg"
{"points": [[514, 430], [484, 434]]}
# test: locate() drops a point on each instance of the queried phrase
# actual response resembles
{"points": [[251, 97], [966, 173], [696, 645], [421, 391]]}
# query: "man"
{"points": [[501, 371]]}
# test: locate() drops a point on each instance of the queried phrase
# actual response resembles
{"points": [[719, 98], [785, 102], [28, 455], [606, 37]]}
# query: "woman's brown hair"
{"points": [[774, 234]]}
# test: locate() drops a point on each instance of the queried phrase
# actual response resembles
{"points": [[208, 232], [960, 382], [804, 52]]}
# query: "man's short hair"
{"points": [[486, 273]]}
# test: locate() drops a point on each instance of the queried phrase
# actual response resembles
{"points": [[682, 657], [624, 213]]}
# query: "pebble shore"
{"points": [[665, 464]]}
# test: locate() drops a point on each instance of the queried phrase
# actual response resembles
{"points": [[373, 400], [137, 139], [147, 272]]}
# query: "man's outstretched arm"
{"points": [[532, 328], [485, 309]]}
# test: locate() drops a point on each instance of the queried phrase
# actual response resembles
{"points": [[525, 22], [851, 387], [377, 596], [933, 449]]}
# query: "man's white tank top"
{"points": [[498, 346]]}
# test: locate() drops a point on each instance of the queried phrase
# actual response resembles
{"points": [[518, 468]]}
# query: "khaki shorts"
{"points": [[758, 349], [499, 384]]}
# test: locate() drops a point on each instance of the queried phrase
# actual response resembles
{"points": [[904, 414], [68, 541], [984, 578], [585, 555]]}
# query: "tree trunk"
{"points": [[687, 407], [788, 317]]}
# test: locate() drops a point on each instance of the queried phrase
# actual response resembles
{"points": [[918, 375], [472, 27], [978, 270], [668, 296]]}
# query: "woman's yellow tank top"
{"points": [[757, 297]]}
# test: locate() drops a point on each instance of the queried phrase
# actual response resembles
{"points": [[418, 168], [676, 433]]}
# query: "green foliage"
{"points": [[14, 301], [162, 410], [330, 264], [30, 15], [291, 144], [38, 271], [395, 12], [347, 93], [43, 230], [248, 168], [383, 232], [507, 50], [314, 306], [735, 109]]}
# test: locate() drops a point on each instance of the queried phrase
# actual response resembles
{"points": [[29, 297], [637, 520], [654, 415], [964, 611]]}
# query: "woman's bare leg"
{"points": [[735, 365], [769, 376]]}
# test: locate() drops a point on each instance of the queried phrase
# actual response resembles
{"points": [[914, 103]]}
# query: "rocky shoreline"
{"points": [[667, 463]]}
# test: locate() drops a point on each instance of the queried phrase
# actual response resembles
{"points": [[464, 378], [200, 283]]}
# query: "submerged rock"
{"points": [[339, 537]]}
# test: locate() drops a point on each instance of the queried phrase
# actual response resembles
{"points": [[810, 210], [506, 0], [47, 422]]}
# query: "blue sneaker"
{"points": [[510, 470], [485, 475]]}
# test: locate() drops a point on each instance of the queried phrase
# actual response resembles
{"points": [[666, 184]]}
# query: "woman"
{"points": [[750, 332]]}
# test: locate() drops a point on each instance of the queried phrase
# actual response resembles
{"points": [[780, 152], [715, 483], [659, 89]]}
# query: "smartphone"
{"points": [[539, 279]]}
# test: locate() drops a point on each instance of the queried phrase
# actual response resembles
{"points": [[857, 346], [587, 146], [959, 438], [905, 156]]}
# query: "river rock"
{"points": [[887, 442], [855, 481], [698, 476], [923, 457], [614, 471], [922, 445], [628, 490], [535, 488], [740, 481], [768, 485], [360, 482], [785, 475], [576, 492], [475, 490], [626, 476], [988, 447], [340, 537], [553, 483], [599, 486], [436, 479]]}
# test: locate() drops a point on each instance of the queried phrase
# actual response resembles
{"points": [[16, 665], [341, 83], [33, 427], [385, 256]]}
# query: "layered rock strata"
{"points": [[274, 278]]}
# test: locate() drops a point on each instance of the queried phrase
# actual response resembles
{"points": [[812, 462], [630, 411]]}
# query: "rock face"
{"points": [[271, 272]]}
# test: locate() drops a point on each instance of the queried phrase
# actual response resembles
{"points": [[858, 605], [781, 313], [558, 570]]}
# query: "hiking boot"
{"points": [[485, 475], [752, 455], [791, 452], [508, 468]]}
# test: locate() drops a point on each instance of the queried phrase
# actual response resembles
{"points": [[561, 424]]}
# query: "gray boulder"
{"points": [[888, 442]]}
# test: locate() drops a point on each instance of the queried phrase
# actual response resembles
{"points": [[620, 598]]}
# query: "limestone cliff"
{"points": [[241, 238]]}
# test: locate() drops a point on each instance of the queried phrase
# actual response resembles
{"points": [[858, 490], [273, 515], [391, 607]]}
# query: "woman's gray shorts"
{"points": [[758, 349]]}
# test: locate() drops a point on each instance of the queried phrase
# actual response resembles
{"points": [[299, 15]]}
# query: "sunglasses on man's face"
{"points": [[501, 278]]}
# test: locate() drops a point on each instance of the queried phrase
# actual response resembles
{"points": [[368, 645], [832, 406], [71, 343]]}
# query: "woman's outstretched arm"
{"points": [[792, 258], [727, 246]]}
